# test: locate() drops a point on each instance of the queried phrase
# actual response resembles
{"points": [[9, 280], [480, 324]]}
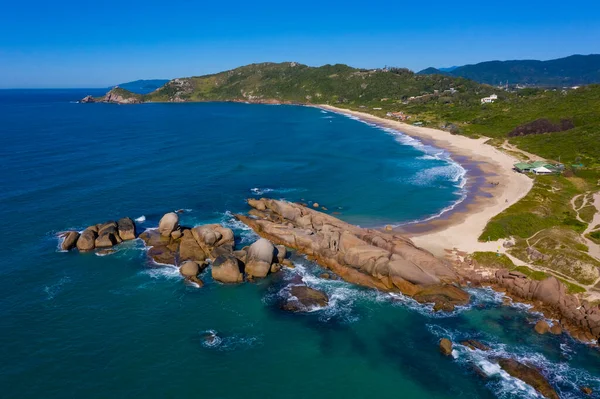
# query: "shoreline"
{"points": [[459, 228]]}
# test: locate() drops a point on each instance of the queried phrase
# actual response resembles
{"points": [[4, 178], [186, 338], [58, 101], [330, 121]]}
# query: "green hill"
{"points": [[292, 82], [570, 71], [436, 100]]}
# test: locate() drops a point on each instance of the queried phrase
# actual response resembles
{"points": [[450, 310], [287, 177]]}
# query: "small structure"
{"points": [[523, 167], [538, 168], [489, 100], [398, 115], [542, 170]]}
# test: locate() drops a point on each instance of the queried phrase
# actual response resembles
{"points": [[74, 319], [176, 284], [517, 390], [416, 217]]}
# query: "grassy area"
{"points": [[493, 260], [545, 206], [587, 213], [572, 288], [559, 249], [532, 274], [594, 236], [538, 275]]}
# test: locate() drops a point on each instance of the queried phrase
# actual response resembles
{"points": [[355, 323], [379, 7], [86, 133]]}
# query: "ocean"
{"points": [[82, 325]]}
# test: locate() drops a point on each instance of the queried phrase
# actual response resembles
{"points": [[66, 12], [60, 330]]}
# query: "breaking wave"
{"points": [[262, 191], [213, 340], [452, 171]]}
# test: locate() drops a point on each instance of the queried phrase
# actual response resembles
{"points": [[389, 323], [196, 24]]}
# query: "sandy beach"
{"points": [[460, 228]]}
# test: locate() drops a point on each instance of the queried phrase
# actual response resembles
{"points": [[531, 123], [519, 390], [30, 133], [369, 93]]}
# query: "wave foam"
{"points": [[141, 219], [246, 234], [262, 191], [453, 171], [212, 340], [52, 290]]}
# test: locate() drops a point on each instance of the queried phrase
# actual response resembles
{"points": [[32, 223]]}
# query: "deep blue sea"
{"points": [[86, 326]]}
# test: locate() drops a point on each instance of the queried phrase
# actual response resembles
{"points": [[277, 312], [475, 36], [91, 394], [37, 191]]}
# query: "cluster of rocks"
{"points": [[191, 248], [524, 372], [115, 95], [550, 296], [99, 236], [367, 257]]}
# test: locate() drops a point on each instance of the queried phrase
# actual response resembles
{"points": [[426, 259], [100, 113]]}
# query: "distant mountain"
{"points": [[570, 71], [143, 86], [448, 69]]}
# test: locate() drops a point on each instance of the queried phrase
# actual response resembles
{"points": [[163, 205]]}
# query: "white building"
{"points": [[490, 99]]}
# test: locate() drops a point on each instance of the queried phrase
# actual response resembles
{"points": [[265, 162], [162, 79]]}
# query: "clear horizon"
{"points": [[80, 45]]}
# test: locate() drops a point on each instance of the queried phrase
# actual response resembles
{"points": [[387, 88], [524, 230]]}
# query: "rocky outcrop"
{"points": [[100, 236], [87, 99], [446, 347], [115, 95], [542, 327], [227, 269], [126, 229], [304, 299], [190, 270], [579, 318], [87, 240], [530, 376], [367, 257], [189, 249], [212, 236], [69, 240], [260, 258], [121, 96], [473, 344], [168, 224]]}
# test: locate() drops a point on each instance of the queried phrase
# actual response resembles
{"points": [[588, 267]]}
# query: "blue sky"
{"points": [[101, 43]]}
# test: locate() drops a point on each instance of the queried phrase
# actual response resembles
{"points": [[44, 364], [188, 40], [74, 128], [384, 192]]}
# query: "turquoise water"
{"points": [[81, 325]]}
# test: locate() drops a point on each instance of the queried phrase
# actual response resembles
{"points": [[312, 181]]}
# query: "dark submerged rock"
{"points": [[530, 376], [304, 299], [473, 344]]}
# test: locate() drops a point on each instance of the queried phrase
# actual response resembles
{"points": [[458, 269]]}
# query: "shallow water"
{"points": [[81, 325]]}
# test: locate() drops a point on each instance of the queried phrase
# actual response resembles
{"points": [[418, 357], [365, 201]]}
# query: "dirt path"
{"points": [[593, 248], [509, 147]]}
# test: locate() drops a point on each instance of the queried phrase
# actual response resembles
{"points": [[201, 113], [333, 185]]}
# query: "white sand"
{"points": [[462, 229]]}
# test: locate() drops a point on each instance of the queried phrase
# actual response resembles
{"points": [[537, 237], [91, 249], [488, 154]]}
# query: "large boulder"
{"points": [[530, 376], [87, 240], [226, 269], [304, 299], [108, 236], [189, 269], [163, 254], [168, 223], [281, 253], [446, 347], [259, 258], [542, 327], [152, 238], [550, 291], [210, 236], [444, 297], [69, 240], [126, 228], [189, 248]]}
